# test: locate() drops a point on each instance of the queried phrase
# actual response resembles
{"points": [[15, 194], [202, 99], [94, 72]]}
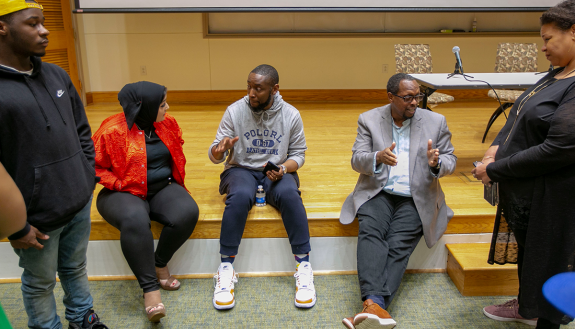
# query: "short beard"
{"points": [[406, 117], [17, 40], [260, 108]]}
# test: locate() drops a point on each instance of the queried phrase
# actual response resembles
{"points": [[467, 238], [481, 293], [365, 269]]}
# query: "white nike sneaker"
{"points": [[304, 288], [224, 287]]}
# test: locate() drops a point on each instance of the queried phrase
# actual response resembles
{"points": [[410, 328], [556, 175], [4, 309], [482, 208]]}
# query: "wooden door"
{"points": [[61, 49]]}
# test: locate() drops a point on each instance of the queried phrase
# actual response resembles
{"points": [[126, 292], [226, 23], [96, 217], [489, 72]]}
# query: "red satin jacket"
{"points": [[121, 161]]}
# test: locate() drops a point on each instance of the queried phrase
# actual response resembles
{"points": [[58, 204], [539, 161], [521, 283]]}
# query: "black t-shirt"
{"points": [[159, 164]]}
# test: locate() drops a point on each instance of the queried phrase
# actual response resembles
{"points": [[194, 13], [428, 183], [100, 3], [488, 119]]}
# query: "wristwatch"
{"points": [[284, 169]]}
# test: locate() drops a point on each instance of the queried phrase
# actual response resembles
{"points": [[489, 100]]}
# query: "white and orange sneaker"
{"points": [[224, 287], [304, 288]]}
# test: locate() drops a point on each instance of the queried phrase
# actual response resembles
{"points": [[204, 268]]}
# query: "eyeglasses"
{"points": [[409, 98]]}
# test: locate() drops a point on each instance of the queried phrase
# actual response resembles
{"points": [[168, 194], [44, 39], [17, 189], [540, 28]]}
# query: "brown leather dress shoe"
{"points": [[373, 316]]}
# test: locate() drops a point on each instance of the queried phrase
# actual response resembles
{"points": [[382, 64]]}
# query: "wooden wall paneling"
{"points": [[365, 24], [293, 95], [61, 49]]}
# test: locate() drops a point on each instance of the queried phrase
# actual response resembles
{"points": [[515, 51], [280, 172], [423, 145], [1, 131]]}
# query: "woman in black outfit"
{"points": [[533, 160], [140, 160]]}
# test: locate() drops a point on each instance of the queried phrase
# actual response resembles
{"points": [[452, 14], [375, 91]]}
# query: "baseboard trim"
{"points": [[242, 275], [421, 271], [10, 281], [291, 95]]}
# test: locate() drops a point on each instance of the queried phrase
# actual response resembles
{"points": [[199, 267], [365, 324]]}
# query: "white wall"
{"points": [[201, 256], [176, 54]]}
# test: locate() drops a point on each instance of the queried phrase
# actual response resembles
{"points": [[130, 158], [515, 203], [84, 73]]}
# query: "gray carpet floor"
{"points": [[423, 301]]}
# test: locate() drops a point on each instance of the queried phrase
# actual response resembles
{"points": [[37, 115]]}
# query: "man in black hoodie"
{"points": [[46, 148]]}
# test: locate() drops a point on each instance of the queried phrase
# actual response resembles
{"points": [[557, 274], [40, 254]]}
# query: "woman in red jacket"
{"points": [[141, 163]]}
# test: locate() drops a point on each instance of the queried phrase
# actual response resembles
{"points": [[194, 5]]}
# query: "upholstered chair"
{"points": [[416, 58], [511, 57]]}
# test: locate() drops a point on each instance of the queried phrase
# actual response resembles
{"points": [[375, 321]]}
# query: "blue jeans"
{"points": [[64, 252]]}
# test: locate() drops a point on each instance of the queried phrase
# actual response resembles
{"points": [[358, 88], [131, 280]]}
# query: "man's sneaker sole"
{"points": [[306, 305], [499, 318], [224, 307], [371, 321], [349, 324]]}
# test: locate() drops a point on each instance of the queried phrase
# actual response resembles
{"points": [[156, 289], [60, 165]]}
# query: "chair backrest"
{"points": [[412, 59], [516, 57]]}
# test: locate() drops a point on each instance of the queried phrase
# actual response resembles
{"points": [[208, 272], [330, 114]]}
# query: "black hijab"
{"points": [[141, 102]]}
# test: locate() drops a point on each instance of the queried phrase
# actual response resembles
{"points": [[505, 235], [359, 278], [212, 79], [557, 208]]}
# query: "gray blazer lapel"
{"points": [[414, 140], [385, 126]]}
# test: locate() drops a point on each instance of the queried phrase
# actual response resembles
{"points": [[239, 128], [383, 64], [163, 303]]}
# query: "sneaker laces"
{"points": [[514, 303], [304, 276], [224, 278], [93, 322]]}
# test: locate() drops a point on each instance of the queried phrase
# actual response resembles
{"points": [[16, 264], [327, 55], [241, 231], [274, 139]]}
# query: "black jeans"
{"points": [[240, 185], [172, 206], [389, 229]]}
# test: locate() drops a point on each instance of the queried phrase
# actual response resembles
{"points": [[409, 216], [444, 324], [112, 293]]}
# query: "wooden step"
{"points": [[326, 225], [473, 276]]}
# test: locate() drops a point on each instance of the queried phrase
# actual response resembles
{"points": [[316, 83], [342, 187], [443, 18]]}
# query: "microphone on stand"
{"points": [[458, 65]]}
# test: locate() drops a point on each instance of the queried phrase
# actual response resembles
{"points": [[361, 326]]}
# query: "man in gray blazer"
{"points": [[400, 151]]}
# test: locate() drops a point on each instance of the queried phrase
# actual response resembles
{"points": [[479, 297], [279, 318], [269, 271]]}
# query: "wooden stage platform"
{"points": [[327, 177]]}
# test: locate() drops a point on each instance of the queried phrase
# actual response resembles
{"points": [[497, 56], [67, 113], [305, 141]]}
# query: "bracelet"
{"points": [[488, 157]]}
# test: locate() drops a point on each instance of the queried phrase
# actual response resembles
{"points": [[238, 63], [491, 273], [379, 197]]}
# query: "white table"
{"points": [[434, 81], [497, 80]]}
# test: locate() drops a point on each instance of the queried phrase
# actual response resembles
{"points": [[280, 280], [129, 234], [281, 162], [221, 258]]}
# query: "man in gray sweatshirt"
{"points": [[259, 128]]}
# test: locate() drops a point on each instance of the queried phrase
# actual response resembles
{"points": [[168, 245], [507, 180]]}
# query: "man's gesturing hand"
{"points": [[386, 156], [224, 145], [432, 155], [30, 240]]}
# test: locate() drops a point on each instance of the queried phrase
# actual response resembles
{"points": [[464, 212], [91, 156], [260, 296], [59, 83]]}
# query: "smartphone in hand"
{"points": [[490, 191], [270, 166]]}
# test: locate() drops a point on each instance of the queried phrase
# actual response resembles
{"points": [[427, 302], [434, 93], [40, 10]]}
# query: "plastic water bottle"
{"points": [[260, 196]]}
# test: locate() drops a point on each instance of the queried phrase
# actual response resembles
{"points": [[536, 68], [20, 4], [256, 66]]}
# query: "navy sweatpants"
{"points": [[240, 185]]}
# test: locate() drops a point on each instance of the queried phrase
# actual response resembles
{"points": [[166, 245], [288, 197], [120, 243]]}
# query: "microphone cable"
{"points": [[490, 86], [495, 92]]}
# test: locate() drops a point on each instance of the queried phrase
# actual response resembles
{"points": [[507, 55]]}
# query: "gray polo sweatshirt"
{"points": [[274, 135]]}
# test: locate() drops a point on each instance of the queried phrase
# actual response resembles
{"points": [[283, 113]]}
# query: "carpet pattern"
{"points": [[423, 301]]}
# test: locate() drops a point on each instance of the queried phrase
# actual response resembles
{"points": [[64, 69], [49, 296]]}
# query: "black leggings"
{"points": [[172, 206]]}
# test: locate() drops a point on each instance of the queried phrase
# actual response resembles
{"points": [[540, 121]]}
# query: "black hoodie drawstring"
{"points": [[36, 98], [51, 96]]}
